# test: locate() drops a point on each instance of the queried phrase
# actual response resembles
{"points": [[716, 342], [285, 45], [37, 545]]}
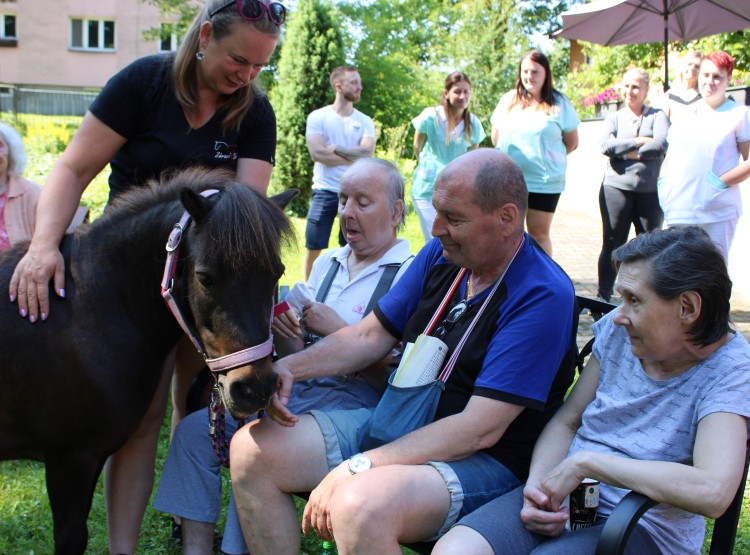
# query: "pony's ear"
{"points": [[197, 205], [282, 199]]}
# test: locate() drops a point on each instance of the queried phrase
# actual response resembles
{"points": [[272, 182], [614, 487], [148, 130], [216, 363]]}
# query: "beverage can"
{"points": [[584, 501]]}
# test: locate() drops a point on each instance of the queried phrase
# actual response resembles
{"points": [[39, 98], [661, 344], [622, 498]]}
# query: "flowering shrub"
{"points": [[607, 95]]}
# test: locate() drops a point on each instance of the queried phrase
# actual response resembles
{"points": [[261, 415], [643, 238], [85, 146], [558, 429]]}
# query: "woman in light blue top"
{"points": [[443, 132], [536, 126]]}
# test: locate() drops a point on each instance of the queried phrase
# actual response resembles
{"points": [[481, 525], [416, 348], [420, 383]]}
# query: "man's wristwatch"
{"points": [[359, 463]]}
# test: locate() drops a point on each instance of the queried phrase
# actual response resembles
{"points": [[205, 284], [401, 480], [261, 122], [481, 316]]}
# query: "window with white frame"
{"points": [[92, 34], [169, 39], [8, 26]]}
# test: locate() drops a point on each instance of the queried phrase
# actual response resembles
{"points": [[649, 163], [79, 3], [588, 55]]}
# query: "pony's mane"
{"points": [[241, 216]]}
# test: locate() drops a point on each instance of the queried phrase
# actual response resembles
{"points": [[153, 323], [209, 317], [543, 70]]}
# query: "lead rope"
{"points": [[217, 427]]}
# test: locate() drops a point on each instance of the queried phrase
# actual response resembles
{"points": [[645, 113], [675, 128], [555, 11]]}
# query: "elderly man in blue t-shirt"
{"points": [[503, 388]]}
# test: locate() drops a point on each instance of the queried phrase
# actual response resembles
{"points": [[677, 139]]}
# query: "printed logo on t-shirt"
{"points": [[359, 309], [225, 151]]}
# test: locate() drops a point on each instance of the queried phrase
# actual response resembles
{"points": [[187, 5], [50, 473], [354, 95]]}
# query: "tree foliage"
{"points": [[312, 49]]}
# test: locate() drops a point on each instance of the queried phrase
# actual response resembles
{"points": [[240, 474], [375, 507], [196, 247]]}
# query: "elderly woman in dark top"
{"points": [[661, 408], [635, 140]]}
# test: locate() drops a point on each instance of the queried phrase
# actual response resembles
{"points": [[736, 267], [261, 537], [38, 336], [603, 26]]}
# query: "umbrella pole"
{"points": [[666, 47]]}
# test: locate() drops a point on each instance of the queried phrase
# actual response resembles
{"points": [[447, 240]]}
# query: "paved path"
{"points": [[577, 228]]}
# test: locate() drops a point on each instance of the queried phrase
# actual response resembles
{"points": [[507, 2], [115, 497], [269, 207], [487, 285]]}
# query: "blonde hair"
{"points": [[683, 62], [235, 106]]}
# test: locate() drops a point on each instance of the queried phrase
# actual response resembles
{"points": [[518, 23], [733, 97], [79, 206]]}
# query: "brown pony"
{"points": [[73, 388]]}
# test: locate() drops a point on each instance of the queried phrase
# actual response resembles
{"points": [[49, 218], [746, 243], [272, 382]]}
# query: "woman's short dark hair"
{"points": [[684, 259]]}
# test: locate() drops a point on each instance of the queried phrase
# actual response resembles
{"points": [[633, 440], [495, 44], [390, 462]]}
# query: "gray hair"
{"points": [[392, 178], [684, 259], [16, 150], [639, 73], [498, 182]]}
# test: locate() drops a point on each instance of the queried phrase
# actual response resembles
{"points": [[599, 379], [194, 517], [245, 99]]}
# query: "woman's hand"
{"points": [[317, 515], [321, 319], [29, 284], [536, 515], [561, 480]]}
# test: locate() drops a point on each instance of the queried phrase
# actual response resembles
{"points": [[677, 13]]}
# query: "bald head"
{"points": [[496, 179], [380, 172]]}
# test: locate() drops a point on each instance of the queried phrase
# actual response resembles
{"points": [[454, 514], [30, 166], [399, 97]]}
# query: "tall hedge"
{"points": [[312, 49]]}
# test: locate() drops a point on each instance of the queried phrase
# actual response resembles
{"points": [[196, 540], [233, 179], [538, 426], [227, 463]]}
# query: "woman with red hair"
{"points": [[703, 168]]}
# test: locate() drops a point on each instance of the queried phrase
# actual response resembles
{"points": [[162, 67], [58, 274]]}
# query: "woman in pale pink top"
{"points": [[18, 196]]}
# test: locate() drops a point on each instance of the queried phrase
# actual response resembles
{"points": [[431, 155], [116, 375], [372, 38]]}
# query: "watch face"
{"points": [[359, 463]]}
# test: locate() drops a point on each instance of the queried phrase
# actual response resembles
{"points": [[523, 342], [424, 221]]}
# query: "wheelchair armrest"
{"points": [[621, 522]]}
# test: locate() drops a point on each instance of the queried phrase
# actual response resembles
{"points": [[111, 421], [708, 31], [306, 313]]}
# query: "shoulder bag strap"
{"points": [[384, 284], [326, 285]]}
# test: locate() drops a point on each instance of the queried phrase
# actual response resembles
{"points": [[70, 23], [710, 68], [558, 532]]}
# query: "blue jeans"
{"points": [[324, 206]]}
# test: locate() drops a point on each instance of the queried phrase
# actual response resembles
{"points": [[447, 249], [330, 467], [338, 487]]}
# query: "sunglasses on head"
{"points": [[252, 10]]}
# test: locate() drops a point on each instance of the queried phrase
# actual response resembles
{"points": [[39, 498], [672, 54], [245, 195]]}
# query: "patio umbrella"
{"points": [[613, 22]]}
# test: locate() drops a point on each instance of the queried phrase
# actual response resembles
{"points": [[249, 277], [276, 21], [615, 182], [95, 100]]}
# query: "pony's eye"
{"points": [[205, 279]]}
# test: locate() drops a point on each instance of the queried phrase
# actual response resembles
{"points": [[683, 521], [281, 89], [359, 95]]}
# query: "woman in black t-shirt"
{"points": [[162, 112]]}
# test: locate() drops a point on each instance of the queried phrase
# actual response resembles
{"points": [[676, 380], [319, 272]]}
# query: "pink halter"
{"points": [[222, 363]]}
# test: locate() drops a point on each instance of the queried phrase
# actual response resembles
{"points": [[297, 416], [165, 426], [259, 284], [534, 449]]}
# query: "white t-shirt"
{"points": [[703, 146], [348, 131], [349, 298]]}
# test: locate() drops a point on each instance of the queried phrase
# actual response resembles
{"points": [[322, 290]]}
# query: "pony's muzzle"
{"points": [[250, 392]]}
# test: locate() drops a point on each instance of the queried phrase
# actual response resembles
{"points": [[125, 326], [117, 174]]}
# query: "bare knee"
{"points": [[244, 453], [358, 514]]}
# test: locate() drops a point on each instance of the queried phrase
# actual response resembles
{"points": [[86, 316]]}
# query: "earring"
{"points": [[200, 55]]}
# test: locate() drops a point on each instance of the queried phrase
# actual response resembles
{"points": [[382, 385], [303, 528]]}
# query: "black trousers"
{"points": [[619, 210]]}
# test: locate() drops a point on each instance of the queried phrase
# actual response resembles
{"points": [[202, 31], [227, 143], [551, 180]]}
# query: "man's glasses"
{"points": [[252, 10], [450, 320]]}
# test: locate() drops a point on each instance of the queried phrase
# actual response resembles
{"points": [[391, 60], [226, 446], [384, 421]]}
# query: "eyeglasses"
{"points": [[450, 320], [252, 10]]}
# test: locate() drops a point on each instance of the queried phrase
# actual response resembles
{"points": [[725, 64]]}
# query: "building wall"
{"points": [[42, 55]]}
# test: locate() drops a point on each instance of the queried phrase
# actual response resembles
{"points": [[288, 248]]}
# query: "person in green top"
{"points": [[442, 133]]}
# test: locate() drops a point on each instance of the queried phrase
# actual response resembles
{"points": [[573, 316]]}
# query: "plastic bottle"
{"points": [[328, 548]]}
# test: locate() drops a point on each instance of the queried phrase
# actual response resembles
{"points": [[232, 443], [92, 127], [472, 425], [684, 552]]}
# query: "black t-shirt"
{"points": [[139, 103]]}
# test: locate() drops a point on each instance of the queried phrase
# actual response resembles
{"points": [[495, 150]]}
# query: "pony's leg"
{"points": [[71, 480], [129, 473]]}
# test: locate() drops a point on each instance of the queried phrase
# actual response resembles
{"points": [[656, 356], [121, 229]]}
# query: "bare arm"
{"points": [[738, 174], [365, 149], [323, 153], [479, 426], [570, 140], [91, 148], [256, 173], [706, 488], [346, 351], [494, 135], [419, 140]]}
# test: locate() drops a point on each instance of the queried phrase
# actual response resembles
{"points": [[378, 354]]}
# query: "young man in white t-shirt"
{"points": [[336, 135]]}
